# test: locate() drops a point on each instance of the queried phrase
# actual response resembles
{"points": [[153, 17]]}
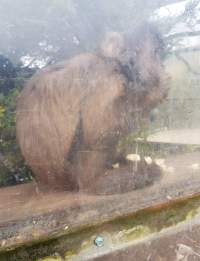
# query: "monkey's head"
{"points": [[140, 58], [137, 61], [145, 54]]}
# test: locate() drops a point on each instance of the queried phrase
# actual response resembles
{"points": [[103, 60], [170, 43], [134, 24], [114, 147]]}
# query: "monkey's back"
{"points": [[50, 108]]}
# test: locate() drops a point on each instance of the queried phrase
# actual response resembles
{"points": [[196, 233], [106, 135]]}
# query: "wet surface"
{"points": [[122, 238], [27, 216]]}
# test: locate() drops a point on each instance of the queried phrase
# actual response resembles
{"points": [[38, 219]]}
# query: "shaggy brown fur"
{"points": [[70, 116]]}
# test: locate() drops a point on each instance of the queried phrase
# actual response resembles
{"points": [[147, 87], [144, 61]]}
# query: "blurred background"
{"points": [[37, 33]]}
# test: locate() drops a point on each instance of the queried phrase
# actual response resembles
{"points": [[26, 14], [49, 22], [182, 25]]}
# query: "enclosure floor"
{"points": [[177, 136], [26, 215]]}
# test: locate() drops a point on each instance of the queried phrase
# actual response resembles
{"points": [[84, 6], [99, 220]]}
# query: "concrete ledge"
{"points": [[27, 217]]}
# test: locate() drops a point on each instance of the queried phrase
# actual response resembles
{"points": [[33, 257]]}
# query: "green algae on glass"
{"points": [[134, 233], [50, 258], [191, 214], [68, 255], [122, 230]]}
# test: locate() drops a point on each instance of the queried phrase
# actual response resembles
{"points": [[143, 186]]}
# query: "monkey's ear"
{"points": [[113, 45]]}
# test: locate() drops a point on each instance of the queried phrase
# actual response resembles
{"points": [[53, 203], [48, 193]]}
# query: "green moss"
{"points": [[50, 258], [68, 255], [12, 167], [134, 233], [118, 231]]}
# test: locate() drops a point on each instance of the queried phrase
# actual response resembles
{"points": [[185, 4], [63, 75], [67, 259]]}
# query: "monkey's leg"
{"points": [[90, 164], [94, 174]]}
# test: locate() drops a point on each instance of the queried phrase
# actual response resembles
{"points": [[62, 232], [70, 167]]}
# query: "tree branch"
{"points": [[182, 34], [185, 17], [158, 3], [186, 50]]}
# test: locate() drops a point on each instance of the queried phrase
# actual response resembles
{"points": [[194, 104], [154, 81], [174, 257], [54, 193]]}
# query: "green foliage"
{"points": [[12, 167]]}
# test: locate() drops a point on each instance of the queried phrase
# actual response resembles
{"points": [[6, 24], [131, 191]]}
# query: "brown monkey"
{"points": [[70, 116]]}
